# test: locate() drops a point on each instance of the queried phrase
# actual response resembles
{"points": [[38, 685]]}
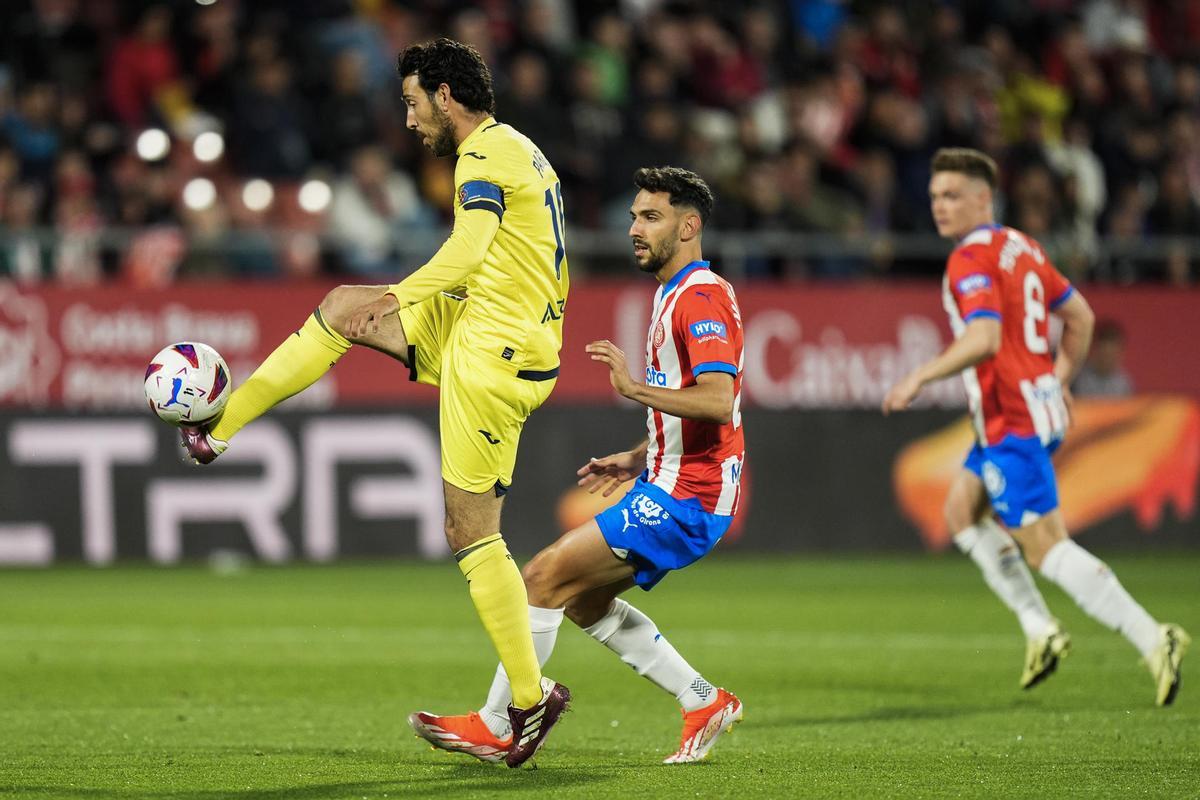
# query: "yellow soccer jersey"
{"points": [[507, 250]]}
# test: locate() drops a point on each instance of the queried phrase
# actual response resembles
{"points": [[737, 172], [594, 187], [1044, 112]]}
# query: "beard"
{"points": [[657, 258], [442, 143]]}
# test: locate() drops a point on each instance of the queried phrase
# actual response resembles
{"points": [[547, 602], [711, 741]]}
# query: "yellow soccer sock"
{"points": [[295, 365], [498, 593]]}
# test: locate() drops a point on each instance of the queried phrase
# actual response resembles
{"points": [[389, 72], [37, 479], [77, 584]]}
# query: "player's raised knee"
{"points": [[336, 307]]}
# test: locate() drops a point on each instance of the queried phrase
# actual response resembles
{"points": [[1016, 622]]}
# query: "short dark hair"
{"points": [[971, 163], [685, 187], [455, 64]]}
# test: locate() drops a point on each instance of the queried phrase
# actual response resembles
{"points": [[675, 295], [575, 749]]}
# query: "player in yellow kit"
{"points": [[482, 320]]}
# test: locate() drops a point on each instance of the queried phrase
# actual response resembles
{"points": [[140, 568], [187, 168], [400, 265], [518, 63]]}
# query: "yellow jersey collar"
{"points": [[487, 123]]}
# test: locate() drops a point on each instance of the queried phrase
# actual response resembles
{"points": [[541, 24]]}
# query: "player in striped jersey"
{"points": [[999, 291], [681, 505]]}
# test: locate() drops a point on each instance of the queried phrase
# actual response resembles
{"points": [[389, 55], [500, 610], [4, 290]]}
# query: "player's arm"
{"points": [[1078, 322], [610, 472], [476, 222], [980, 340], [710, 400]]}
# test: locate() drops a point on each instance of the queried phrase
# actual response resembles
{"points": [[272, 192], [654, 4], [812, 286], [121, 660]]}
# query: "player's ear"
{"points": [[690, 227], [443, 96]]}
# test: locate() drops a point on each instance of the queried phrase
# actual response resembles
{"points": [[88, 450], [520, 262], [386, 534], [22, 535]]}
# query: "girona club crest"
{"points": [[28, 355], [660, 335]]}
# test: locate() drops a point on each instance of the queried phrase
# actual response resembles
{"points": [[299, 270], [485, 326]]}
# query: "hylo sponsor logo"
{"points": [[974, 283], [708, 327]]}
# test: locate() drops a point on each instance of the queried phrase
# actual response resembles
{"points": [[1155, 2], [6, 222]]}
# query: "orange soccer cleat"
{"points": [[464, 733], [702, 727]]}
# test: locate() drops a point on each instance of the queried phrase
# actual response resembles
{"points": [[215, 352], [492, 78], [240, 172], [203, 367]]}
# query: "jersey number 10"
{"points": [[556, 222]]}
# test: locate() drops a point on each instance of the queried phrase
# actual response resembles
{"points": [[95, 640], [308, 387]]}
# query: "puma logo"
{"points": [[628, 524]]}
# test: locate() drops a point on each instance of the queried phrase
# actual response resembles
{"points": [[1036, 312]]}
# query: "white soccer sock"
{"points": [[1096, 590], [1004, 570], [544, 623], [633, 636]]}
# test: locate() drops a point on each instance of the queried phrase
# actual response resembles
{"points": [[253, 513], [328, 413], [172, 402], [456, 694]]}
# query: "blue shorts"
{"points": [[658, 533], [1018, 477]]}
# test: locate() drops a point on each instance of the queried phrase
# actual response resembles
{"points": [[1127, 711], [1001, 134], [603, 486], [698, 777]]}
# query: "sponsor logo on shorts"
{"points": [[646, 511], [993, 480]]}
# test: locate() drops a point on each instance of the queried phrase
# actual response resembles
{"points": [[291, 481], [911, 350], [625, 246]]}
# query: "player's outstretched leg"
{"points": [[708, 711], [995, 552], [1096, 590], [297, 363]]}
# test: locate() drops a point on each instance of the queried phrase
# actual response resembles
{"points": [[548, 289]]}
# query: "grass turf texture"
{"points": [[860, 677]]}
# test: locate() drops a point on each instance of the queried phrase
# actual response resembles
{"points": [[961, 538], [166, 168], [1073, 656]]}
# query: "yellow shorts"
{"points": [[484, 400]]}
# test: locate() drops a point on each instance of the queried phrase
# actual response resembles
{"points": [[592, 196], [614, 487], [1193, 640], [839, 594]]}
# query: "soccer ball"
{"points": [[187, 384]]}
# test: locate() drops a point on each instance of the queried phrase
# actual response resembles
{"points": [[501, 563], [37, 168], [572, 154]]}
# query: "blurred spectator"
{"points": [[528, 105], [726, 75], [372, 206], [1104, 373], [51, 42], [142, 67], [1085, 193], [347, 116], [30, 129], [268, 131], [608, 53], [26, 257], [1175, 211], [885, 211]]}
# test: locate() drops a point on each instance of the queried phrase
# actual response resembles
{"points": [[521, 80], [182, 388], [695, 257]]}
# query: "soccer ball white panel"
{"points": [[187, 384]]}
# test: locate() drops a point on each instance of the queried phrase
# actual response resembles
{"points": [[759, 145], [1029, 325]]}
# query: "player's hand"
{"points": [[618, 371], [365, 319], [900, 396], [610, 472]]}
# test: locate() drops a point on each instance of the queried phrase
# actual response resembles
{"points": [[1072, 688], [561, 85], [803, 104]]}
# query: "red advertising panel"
{"points": [[807, 346]]}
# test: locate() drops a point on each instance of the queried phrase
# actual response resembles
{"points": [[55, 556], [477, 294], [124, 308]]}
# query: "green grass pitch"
{"points": [[861, 677]]}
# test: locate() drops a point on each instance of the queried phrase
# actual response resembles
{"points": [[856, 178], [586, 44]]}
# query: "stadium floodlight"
{"points": [[315, 196], [199, 194], [257, 194], [208, 146], [153, 144]]}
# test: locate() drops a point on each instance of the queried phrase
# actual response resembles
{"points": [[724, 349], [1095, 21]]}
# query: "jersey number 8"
{"points": [[1035, 312]]}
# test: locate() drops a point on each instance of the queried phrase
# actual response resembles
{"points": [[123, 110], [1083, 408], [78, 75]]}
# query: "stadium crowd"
{"points": [[266, 137]]}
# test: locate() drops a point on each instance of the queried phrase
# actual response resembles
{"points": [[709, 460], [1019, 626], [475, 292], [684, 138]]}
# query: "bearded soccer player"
{"points": [[681, 505], [999, 291], [482, 320]]}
